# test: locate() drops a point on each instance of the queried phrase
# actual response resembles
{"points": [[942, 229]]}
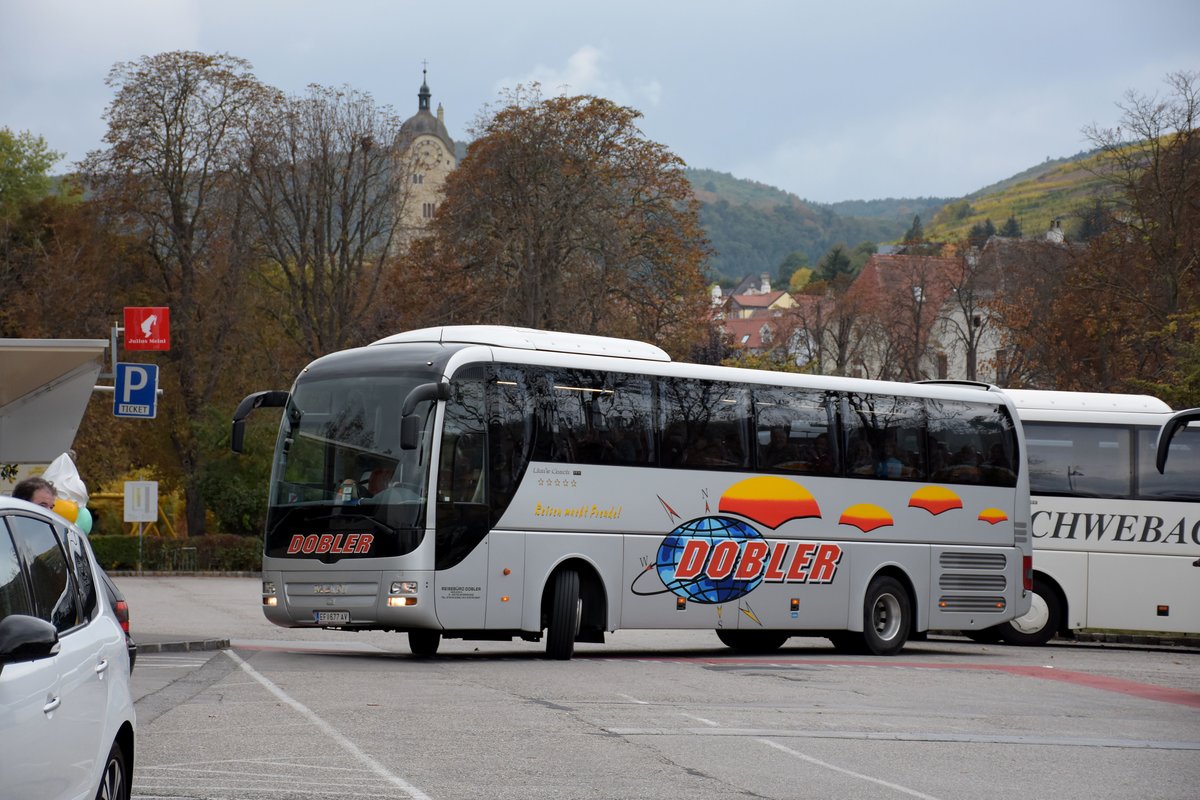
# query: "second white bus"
{"points": [[1116, 542]]}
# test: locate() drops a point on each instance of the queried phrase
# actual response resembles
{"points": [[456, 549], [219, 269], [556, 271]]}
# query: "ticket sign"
{"points": [[136, 391], [147, 328]]}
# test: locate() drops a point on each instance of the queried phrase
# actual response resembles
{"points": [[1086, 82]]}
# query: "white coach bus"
{"points": [[485, 482], [1116, 542]]}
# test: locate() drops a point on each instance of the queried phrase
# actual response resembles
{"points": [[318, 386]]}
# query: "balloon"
{"points": [[67, 509], [84, 520]]}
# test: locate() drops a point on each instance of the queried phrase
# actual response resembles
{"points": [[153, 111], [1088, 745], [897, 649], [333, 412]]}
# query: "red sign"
{"points": [[147, 328]]}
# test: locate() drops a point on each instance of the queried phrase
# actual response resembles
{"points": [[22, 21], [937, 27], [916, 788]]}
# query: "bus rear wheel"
{"points": [[752, 641], [887, 617], [566, 611], [1042, 621], [424, 643]]}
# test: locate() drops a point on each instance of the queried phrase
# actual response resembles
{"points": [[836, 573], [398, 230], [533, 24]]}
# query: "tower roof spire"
{"points": [[423, 95]]}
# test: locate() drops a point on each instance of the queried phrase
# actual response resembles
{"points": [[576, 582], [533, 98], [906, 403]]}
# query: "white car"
{"points": [[67, 726]]}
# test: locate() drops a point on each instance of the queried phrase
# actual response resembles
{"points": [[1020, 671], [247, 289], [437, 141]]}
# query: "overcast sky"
{"points": [[843, 100]]}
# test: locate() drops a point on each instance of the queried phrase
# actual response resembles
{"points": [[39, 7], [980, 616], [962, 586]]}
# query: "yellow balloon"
{"points": [[67, 509]]}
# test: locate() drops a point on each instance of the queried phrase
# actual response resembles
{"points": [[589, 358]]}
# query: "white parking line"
{"points": [[844, 771], [330, 731], [702, 720]]}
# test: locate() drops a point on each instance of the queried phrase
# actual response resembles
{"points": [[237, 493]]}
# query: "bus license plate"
{"points": [[332, 617]]}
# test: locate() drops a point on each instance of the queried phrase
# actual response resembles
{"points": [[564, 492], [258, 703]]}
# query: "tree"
{"points": [[1142, 273], [916, 232], [795, 261], [562, 215], [981, 232], [861, 254], [800, 279], [1011, 228], [967, 317], [25, 162], [327, 193], [835, 264], [1094, 220], [176, 128]]}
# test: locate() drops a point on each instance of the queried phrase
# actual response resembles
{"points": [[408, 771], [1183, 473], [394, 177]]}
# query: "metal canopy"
{"points": [[45, 385]]}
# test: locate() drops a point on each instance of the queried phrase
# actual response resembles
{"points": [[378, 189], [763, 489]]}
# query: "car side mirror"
{"points": [[25, 638]]}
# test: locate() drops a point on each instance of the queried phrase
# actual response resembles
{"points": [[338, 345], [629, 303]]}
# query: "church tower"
{"points": [[426, 154]]}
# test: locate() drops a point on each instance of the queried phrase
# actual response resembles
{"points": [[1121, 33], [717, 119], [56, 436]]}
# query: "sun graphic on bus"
{"points": [[769, 501], [992, 516], [866, 517], [935, 499]]}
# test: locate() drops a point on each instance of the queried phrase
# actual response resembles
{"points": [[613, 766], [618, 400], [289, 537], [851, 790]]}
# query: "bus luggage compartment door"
{"points": [[506, 561]]}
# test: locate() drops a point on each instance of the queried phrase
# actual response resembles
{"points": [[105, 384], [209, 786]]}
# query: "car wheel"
{"points": [[114, 781]]}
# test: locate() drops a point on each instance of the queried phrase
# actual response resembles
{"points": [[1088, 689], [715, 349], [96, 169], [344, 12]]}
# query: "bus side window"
{"points": [[1181, 480]]}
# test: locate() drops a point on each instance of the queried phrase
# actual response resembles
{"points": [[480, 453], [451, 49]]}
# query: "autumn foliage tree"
{"points": [[326, 194], [168, 174], [564, 216], [1122, 312]]}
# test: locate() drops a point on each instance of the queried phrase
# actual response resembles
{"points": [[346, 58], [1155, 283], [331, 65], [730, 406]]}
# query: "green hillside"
{"points": [[1056, 189], [754, 227]]}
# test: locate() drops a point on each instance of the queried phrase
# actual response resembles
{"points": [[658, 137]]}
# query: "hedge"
{"points": [[219, 552]]}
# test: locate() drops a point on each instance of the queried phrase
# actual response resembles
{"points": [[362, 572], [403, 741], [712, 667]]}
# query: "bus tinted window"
{"points": [[796, 431], [1085, 460], [510, 434], [462, 511], [1181, 480], [884, 436], [587, 417], [971, 443], [705, 424]]}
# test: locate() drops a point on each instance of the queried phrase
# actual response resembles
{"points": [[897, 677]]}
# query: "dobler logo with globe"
{"points": [[716, 534], [719, 559]]}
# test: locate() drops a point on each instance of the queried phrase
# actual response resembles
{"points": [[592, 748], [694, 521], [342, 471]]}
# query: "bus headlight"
{"points": [[403, 593], [268, 594]]}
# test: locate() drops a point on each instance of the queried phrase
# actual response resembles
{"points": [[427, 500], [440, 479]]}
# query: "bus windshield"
{"points": [[340, 469]]}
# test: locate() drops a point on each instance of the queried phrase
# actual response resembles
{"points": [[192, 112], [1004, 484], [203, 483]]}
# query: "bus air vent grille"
{"points": [[1020, 532], [959, 582], [972, 560]]}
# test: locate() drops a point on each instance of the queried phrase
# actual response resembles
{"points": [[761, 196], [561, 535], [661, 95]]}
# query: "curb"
{"points": [[183, 647], [1163, 639]]}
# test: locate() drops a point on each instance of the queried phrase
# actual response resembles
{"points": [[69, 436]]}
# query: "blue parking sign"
{"points": [[136, 391]]}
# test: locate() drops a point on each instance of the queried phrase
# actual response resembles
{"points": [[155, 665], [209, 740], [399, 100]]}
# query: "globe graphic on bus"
{"points": [[702, 588]]}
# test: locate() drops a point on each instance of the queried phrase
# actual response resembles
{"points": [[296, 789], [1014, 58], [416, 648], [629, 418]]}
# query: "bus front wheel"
{"points": [[1040, 623], [566, 611], [424, 643], [887, 616]]}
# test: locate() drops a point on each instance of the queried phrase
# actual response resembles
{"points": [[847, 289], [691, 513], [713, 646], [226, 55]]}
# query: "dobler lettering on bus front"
{"points": [[337, 544]]}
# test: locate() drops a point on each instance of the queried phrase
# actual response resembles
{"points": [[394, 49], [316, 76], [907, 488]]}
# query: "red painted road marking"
{"points": [[1146, 691]]}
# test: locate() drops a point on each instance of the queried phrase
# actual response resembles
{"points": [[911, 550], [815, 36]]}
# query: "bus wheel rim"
{"points": [[1036, 618], [886, 616]]}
